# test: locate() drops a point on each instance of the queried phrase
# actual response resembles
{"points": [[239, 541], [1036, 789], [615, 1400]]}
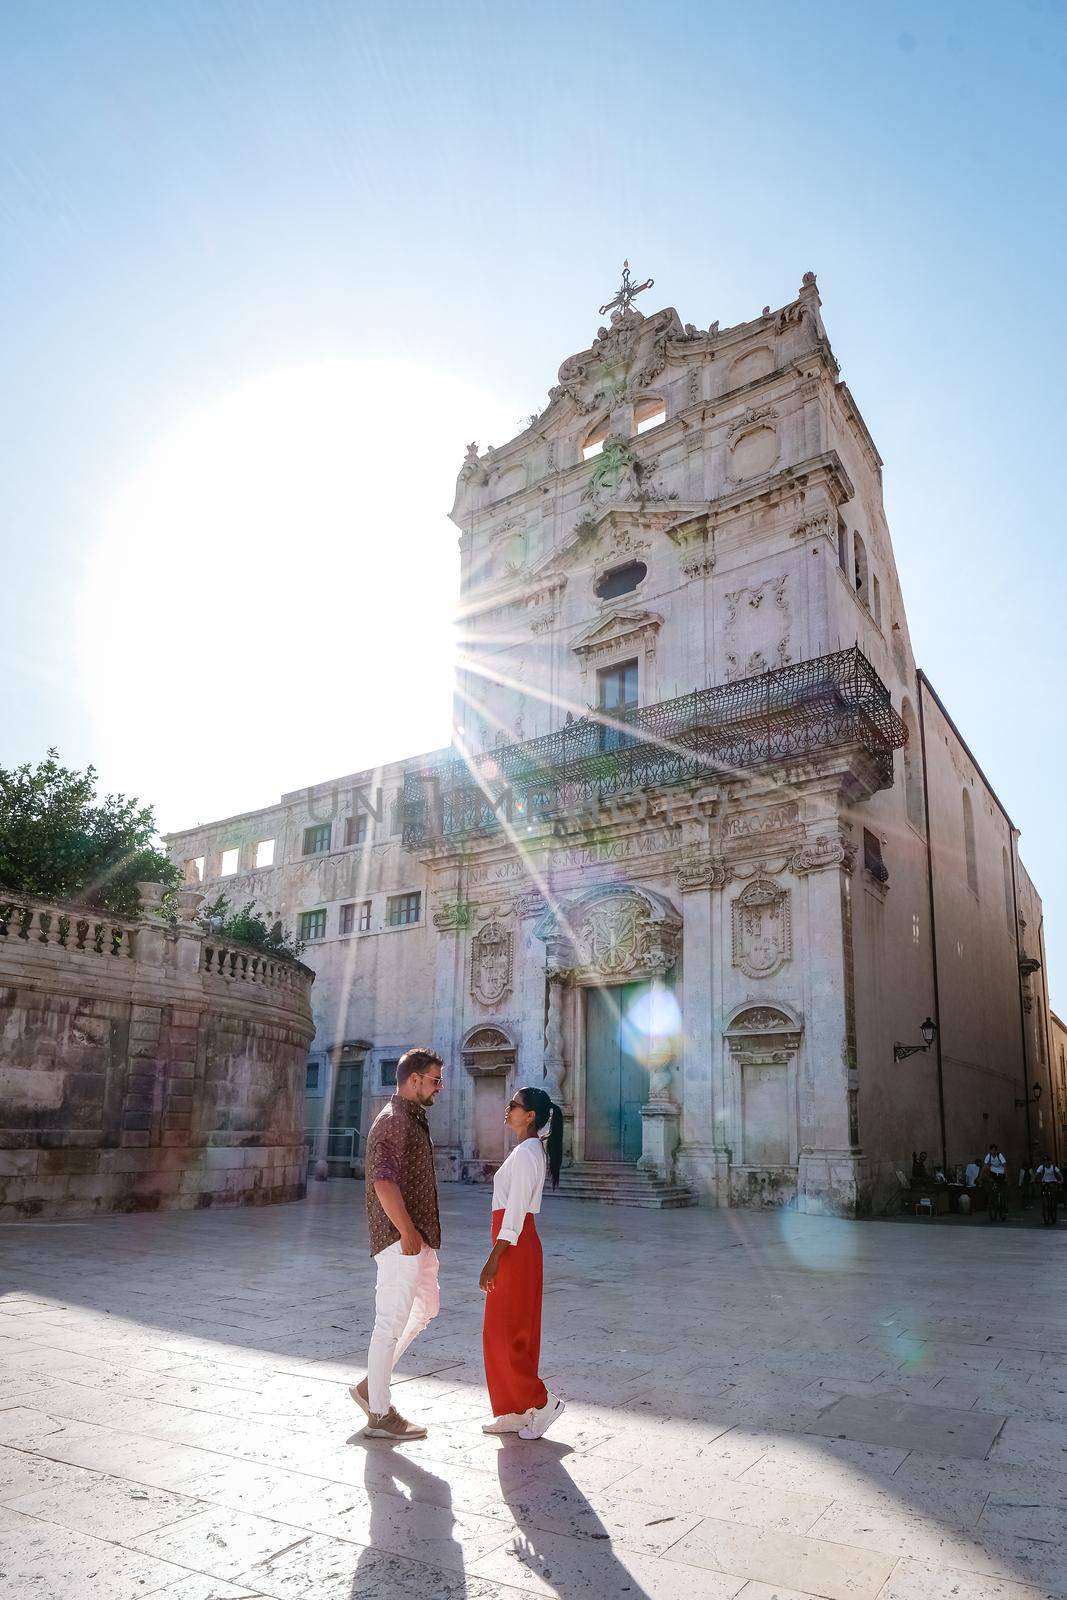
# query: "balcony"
{"points": [[834, 702]]}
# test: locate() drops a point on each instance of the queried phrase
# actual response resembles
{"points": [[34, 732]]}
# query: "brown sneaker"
{"points": [[393, 1426], [360, 1395]]}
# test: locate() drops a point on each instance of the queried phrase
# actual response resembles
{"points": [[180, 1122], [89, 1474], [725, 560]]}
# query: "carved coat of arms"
{"points": [[491, 964], [762, 933]]}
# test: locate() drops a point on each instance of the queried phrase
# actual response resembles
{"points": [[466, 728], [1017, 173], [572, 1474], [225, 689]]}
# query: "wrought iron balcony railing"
{"points": [[830, 703]]}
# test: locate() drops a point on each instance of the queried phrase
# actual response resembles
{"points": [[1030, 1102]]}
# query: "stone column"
{"points": [[833, 1173], [704, 1156], [451, 924]]}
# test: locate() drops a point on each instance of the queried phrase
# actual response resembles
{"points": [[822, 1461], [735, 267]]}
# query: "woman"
{"points": [[511, 1278]]}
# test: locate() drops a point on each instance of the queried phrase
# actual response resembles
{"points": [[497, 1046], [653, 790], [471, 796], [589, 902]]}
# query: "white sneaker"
{"points": [[511, 1422], [543, 1418]]}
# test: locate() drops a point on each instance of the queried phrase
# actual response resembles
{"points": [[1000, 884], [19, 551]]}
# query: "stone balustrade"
{"points": [[144, 1063]]}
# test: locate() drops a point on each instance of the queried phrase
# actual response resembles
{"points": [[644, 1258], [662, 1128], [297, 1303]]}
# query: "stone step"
{"points": [[620, 1183]]}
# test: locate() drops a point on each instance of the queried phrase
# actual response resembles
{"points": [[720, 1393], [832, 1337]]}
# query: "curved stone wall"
{"points": [[145, 1066]]}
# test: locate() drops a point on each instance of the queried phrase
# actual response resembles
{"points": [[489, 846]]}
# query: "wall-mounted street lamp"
{"points": [[929, 1033], [1031, 1099]]}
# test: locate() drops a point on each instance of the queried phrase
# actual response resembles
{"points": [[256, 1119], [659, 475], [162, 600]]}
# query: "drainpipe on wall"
{"points": [[1048, 1045], [920, 686], [1022, 1008]]}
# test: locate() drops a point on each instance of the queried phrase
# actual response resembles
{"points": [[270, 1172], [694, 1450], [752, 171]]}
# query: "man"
{"points": [[994, 1165], [1049, 1176], [970, 1177], [405, 1235]]}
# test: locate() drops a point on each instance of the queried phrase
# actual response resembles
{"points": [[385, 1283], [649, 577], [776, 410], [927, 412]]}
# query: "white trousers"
{"points": [[406, 1300]]}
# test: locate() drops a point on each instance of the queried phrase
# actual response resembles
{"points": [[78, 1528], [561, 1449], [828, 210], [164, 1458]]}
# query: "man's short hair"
{"points": [[417, 1060]]}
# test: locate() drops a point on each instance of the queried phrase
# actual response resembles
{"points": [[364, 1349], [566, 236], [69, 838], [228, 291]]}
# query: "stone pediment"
{"points": [[608, 634]]}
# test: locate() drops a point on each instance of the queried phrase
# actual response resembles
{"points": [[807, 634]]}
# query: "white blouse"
{"points": [[518, 1185]]}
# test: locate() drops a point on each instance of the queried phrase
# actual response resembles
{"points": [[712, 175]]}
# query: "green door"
{"points": [[616, 1081], [347, 1109]]}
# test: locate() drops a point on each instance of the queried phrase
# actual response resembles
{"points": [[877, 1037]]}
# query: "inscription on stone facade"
{"points": [[591, 855], [750, 824]]}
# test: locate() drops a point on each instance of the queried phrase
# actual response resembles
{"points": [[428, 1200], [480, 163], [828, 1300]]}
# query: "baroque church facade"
{"points": [[707, 850]]}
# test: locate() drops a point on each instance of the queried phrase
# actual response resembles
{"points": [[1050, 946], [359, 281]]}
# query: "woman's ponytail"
{"points": [[546, 1110], [554, 1143]]}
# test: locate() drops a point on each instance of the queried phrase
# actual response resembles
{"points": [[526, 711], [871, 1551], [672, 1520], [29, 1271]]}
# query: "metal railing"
{"points": [[832, 702]]}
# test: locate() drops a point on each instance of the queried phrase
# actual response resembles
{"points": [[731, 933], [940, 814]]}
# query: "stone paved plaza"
{"points": [[759, 1404]]}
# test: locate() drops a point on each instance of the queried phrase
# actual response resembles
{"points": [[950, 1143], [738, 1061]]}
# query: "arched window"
{"points": [[862, 576], [969, 852], [649, 414], [913, 777], [594, 442]]}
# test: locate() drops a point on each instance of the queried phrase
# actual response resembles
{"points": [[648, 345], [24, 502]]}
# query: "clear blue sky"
{"points": [[195, 195]]}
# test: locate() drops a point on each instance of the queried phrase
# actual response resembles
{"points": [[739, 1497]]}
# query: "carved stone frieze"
{"points": [[762, 928], [619, 476], [453, 916], [701, 870], [823, 852], [819, 525]]}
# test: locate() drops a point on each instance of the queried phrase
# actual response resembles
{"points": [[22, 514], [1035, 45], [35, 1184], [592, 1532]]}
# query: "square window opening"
{"points": [[265, 853], [230, 862]]}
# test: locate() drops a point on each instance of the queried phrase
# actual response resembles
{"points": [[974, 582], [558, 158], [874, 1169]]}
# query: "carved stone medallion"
{"points": [[762, 933], [618, 936], [492, 950]]}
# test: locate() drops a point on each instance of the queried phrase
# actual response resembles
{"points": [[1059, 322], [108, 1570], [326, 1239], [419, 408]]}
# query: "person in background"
{"points": [[970, 1177], [512, 1278], [405, 1235], [1026, 1183]]}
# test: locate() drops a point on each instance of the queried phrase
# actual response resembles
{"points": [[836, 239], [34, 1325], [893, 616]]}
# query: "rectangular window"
{"points": [[194, 869], [389, 1072], [229, 863], [265, 853], [616, 694], [356, 828], [355, 917], [403, 909], [872, 856], [312, 925], [842, 544], [311, 1077], [317, 839], [876, 598]]}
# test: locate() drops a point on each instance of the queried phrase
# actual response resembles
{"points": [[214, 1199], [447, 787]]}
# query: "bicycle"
{"points": [[1050, 1199], [998, 1200]]}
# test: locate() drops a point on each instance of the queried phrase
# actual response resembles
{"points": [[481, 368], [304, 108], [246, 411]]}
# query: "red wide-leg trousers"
{"points": [[511, 1332]]}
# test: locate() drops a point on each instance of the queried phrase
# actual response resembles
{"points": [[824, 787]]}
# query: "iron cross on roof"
{"points": [[625, 297]]}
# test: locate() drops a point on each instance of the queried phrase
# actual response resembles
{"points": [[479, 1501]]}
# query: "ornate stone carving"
{"points": [[763, 1035], [701, 870], [488, 1051], [762, 929], [817, 855], [619, 476], [754, 417], [617, 937], [819, 525], [751, 645], [619, 628], [451, 917], [693, 380], [530, 905], [473, 469], [492, 961]]}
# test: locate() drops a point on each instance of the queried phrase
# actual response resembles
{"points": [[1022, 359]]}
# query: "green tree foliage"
{"points": [[249, 926], [58, 841]]}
